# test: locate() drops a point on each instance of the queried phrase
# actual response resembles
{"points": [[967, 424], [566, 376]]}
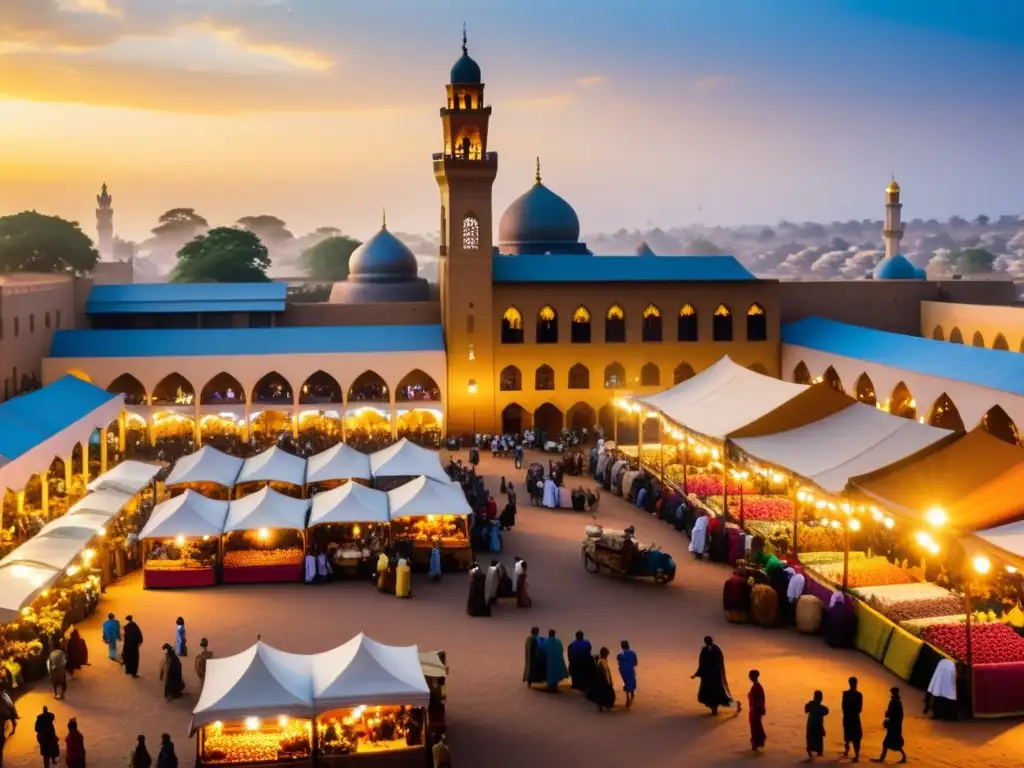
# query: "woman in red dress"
{"points": [[756, 710], [77, 652], [74, 745]]}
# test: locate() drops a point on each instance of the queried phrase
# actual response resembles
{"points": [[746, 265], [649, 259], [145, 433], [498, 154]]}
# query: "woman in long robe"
{"points": [[435, 563], [77, 652], [476, 604], [56, 665], [534, 665], [74, 743], [581, 663], [554, 656], [699, 537], [756, 708], [602, 690], [893, 728], [170, 674], [522, 589], [714, 688], [816, 714], [130, 648], [46, 738], [550, 499], [382, 571], [627, 671]]}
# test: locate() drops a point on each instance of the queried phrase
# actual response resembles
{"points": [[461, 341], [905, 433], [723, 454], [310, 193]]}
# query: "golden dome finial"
{"points": [[536, 178], [383, 218], [893, 188]]}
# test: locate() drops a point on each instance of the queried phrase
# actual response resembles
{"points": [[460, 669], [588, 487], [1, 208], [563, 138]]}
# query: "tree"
{"points": [[702, 247], [982, 220], [222, 255], [35, 242], [270, 229], [328, 259], [180, 225], [975, 261]]}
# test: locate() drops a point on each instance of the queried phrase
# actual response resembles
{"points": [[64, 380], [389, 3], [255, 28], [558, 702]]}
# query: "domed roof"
{"points": [[893, 187], [383, 256], [539, 216], [896, 268], [465, 71]]}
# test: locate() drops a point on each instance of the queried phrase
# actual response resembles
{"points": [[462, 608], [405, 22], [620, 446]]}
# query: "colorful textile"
{"points": [[902, 653], [927, 660], [873, 632], [999, 689]]}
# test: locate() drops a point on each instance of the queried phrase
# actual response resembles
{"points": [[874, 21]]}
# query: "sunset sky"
{"points": [[644, 112]]}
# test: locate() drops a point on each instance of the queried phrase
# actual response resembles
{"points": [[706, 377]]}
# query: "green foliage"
{"points": [[270, 229], [975, 261], [328, 259], [180, 225], [34, 242], [222, 255]]}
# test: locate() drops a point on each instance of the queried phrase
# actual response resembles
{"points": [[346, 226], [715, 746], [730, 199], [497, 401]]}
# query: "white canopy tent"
{"points": [[340, 462], [349, 503], [108, 502], [261, 681], [189, 514], [1004, 540], [721, 399], [852, 442], [423, 496], [405, 459], [363, 671], [207, 465], [20, 585], [266, 508], [273, 464], [127, 477], [57, 552], [77, 526]]}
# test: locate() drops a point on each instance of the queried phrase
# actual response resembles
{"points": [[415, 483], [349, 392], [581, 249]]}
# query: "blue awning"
{"points": [[618, 269], [167, 298]]}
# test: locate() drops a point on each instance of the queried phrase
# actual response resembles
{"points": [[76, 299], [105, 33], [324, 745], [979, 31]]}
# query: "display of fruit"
{"points": [[260, 558], [993, 643], [870, 572], [762, 508], [255, 747], [924, 608]]}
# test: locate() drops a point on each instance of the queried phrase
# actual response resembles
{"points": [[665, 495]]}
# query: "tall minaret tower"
{"points": [[105, 224], [465, 172], [892, 232]]}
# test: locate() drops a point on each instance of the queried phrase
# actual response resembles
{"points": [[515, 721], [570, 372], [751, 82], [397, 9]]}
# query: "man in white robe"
{"points": [[699, 536], [516, 570], [492, 582], [550, 499]]}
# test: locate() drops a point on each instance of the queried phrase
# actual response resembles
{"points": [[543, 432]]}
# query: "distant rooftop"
{"points": [[248, 341], [167, 298], [618, 269]]}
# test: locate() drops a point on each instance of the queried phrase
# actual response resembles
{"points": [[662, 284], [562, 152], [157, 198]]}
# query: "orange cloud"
{"points": [[297, 56], [590, 80]]}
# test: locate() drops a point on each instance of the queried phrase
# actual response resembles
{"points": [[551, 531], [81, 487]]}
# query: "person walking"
{"points": [[131, 647], [56, 666], [893, 728], [602, 692], [8, 714], [442, 756], [170, 674], [853, 731], [714, 686], [111, 634], [166, 758], [435, 562], [205, 654], [46, 737], [180, 641], [627, 671], [74, 746], [816, 714], [756, 709], [140, 757]]}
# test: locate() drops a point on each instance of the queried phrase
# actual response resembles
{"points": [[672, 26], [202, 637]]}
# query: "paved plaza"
{"points": [[494, 721]]}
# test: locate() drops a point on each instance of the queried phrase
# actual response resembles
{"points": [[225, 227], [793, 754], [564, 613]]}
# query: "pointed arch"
{"points": [[651, 328], [175, 389], [977, 340], [998, 424], [757, 323], [832, 379], [470, 233], [650, 375], [614, 376], [544, 378], [865, 390], [579, 377], [320, 387], [273, 389], [721, 324], [547, 325], [682, 372], [758, 368], [368, 387], [511, 326], [580, 331], [686, 326], [222, 389], [615, 325], [514, 419], [132, 389], [956, 336], [581, 416], [548, 420], [801, 373], [417, 386], [937, 334], [511, 379], [606, 419], [902, 403], [999, 342], [945, 414]]}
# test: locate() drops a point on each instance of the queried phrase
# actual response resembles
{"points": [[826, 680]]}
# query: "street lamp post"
{"points": [[472, 391]]}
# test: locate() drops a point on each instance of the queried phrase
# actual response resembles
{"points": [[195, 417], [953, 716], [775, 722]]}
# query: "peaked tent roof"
{"points": [[1005, 542], [259, 681], [405, 459], [266, 508], [976, 480], [816, 402], [273, 464], [109, 503], [722, 398], [423, 496], [187, 514], [363, 671], [82, 525], [854, 441], [349, 503], [127, 477], [57, 552], [207, 465], [340, 462], [20, 585]]}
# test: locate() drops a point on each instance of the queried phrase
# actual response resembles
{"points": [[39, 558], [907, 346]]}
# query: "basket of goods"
{"points": [[764, 606], [254, 558], [809, 614]]}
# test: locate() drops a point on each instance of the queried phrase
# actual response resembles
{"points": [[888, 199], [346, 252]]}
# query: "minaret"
{"points": [[105, 224], [892, 232], [465, 173]]}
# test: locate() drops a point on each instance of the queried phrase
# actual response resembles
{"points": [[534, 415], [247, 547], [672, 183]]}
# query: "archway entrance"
{"points": [[514, 419], [581, 416], [998, 424], [902, 402], [945, 415], [831, 378], [866, 390], [606, 420], [548, 421], [801, 375]]}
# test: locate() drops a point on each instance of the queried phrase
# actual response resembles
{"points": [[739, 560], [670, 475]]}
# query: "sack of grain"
{"points": [[809, 614], [764, 606]]}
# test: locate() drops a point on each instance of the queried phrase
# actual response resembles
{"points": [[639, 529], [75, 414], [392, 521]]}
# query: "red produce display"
{"points": [[992, 643], [767, 509]]}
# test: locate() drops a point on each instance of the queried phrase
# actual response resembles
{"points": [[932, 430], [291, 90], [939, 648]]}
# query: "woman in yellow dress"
{"points": [[382, 572], [403, 581]]}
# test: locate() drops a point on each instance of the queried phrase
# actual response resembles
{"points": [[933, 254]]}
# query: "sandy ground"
{"points": [[493, 720]]}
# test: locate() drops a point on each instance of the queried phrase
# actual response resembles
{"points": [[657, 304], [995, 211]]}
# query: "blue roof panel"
{"points": [[618, 269], [248, 341], [163, 298], [992, 368]]}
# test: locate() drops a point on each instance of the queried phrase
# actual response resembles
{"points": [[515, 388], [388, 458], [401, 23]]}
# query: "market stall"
{"points": [[400, 463], [339, 464], [424, 511], [350, 523], [129, 477], [106, 502], [282, 471], [264, 538], [209, 471], [181, 540]]}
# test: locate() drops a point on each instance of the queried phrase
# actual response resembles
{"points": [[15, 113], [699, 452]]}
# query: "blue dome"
{"points": [[383, 257], [465, 71], [920, 273], [896, 268], [539, 216]]}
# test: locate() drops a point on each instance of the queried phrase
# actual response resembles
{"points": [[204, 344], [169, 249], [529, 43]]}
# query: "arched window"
{"points": [[721, 324], [222, 389], [650, 376], [470, 234], [511, 327], [945, 415], [999, 342], [615, 325], [902, 403], [614, 376], [132, 389], [547, 326], [937, 334], [579, 377], [978, 340], [831, 378], [687, 324], [417, 386], [544, 378], [651, 330], [511, 379], [801, 374], [866, 390], [272, 389], [682, 372], [320, 387], [368, 387], [998, 424], [581, 326], [757, 323], [956, 336]]}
